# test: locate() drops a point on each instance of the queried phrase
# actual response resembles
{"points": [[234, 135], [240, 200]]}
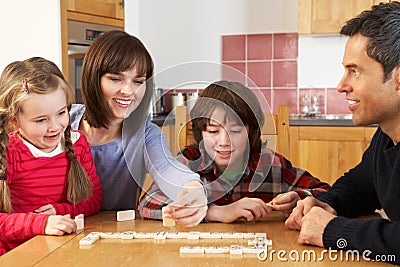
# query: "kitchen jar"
{"points": [[156, 107], [177, 99], [191, 99]]}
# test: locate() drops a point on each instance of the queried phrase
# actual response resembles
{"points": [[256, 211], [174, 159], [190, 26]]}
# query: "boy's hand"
{"points": [[190, 207], [249, 208], [59, 225], [285, 202]]}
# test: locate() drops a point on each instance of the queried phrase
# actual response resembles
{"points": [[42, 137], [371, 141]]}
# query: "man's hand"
{"points": [[190, 207], [303, 207], [248, 208], [59, 225], [313, 226]]}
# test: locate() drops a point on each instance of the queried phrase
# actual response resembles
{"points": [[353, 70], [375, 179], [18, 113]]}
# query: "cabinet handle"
{"points": [[122, 4]]}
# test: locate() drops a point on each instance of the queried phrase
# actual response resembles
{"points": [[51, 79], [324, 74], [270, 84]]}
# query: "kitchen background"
{"points": [[257, 37]]}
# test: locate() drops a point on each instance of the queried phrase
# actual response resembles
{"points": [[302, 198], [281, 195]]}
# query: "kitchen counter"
{"points": [[321, 120], [295, 120]]}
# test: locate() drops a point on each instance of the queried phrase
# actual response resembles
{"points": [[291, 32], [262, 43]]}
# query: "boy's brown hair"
{"points": [[239, 103]]}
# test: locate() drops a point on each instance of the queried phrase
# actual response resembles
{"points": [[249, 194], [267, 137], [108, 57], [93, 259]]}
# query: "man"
{"points": [[372, 86]]}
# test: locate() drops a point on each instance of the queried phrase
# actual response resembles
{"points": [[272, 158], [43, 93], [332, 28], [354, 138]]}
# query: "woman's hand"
{"points": [[248, 208], [190, 207]]}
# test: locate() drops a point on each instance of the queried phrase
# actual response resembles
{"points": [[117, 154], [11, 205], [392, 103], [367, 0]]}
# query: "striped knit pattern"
{"points": [[269, 171], [35, 182]]}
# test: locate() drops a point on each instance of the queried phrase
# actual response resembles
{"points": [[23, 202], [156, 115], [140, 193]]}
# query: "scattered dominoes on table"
{"points": [[125, 215], [167, 221]]}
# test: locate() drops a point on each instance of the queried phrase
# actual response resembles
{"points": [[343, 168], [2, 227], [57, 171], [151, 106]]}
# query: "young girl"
{"points": [[231, 159], [45, 168], [117, 87]]}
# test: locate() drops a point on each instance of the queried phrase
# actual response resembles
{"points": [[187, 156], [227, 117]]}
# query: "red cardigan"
{"points": [[37, 181]]}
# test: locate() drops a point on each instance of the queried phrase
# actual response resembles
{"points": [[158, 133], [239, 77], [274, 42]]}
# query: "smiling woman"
{"points": [[123, 92], [117, 87]]}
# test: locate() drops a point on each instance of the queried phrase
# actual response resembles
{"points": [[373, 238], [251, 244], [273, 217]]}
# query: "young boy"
{"points": [[243, 178]]}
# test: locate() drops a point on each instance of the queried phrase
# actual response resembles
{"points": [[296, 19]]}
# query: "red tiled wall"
{"points": [[268, 62]]}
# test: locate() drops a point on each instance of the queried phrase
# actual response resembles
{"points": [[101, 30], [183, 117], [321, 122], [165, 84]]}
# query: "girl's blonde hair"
{"points": [[18, 80]]}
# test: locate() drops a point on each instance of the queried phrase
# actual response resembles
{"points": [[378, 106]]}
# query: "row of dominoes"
{"points": [[94, 236], [259, 244], [233, 250]]}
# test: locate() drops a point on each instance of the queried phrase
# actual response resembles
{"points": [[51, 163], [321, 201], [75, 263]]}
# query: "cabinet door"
{"points": [[104, 8], [327, 16], [328, 152]]}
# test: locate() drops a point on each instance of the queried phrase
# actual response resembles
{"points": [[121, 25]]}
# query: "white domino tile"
{"points": [[251, 250], [261, 235], [89, 239], [169, 222], [127, 235], [193, 235], [236, 250], [80, 222], [216, 250], [251, 242], [160, 235], [143, 235], [232, 235], [110, 235], [191, 250], [125, 215], [177, 235], [268, 242], [207, 235], [249, 235]]}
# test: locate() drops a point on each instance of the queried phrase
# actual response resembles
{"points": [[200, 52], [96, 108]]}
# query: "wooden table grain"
{"points": [[66, 251]]}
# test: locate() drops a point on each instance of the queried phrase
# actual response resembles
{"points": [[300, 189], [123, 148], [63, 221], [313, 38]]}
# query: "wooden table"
{"points": [[66, 251]]}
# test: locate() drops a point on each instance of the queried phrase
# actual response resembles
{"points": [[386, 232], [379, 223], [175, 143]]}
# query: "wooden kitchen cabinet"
{"points": [[105, 8], [106, 12], [327, 16], [327, 152]]}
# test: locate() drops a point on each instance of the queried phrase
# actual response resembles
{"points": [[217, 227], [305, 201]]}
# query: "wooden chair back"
{"points": [[276, 131]]}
